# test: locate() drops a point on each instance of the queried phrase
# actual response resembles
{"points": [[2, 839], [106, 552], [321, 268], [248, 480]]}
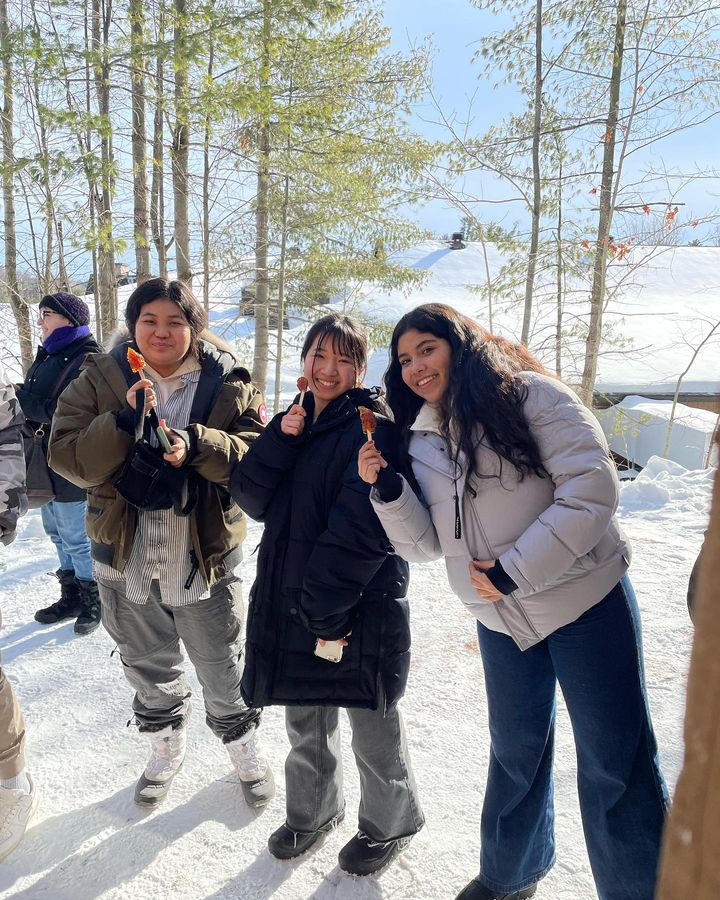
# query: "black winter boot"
{"points": [[89, 617], [476, 890], [68, 606]]}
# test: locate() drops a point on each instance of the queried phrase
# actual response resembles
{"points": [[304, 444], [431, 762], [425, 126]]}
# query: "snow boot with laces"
{"points": [[285, 843], [256, 776], [168, 753], [89, 616], [364, 856], [68, 606]]}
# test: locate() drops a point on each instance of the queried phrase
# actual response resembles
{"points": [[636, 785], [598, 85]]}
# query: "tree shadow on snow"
{"points": [[75, 872], [26, 571], [33, 635], [265, 875]]}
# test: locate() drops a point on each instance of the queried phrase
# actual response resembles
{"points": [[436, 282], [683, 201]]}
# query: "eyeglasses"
{"points": [[44, 313]]}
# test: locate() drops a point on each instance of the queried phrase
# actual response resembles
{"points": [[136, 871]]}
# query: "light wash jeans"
{"points": [[597, 661], [148, 637], [389, 807], [64, 524]]}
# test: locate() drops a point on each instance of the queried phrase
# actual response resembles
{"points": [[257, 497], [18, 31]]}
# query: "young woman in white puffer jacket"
{"points": [[518, 492]]}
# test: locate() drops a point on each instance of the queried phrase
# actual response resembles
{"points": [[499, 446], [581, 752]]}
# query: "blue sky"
{"points": [[456, 28]]}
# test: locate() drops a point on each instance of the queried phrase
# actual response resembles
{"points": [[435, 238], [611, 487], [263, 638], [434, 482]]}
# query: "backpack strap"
{"points": [[62, 379]]}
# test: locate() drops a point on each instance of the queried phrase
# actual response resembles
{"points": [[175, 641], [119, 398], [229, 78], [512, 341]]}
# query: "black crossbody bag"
{"points": [[146, 480]]}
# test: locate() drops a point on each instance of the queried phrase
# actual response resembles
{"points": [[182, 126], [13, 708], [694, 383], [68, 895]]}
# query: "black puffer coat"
{"points": [[36, 400], [325, 566]]}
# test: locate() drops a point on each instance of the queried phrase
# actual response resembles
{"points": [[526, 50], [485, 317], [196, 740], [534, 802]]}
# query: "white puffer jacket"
{"points": [[556, 537]]}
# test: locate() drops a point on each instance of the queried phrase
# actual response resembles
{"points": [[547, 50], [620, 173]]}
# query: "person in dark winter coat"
{"points": [[67, 341], [166, 569], [327, 577]]}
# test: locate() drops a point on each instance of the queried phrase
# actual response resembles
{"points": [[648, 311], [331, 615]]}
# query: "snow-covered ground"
{"points": [[88, 840]]}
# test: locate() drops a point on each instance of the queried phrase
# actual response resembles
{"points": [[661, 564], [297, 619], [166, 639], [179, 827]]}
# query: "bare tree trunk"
{"points": [[181, 146], [281, 294], [64, 280], [488, 280], [537, 194], [47, 279], [597, 296], [139, 155], [157, 195], [559, 277], [105, 286], [260, 358], [20, 310], [51, 218], [206, 190], [85, 145]]}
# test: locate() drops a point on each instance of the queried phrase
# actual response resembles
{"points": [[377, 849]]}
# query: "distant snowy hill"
{"points": [[658, 297]]}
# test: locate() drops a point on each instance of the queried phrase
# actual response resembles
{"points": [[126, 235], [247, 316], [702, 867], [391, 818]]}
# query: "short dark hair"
{"points": [[346, 335], [176, 291]]}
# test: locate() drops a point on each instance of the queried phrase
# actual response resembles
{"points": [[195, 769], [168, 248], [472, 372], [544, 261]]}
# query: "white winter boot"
{"points": [[168, 752], [254, 770]]}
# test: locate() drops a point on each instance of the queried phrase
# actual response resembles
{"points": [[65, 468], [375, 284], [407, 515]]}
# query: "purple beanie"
{"points": [[68, 305]]}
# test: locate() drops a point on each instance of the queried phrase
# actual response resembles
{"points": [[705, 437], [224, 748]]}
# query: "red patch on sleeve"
{"points": [[263, 413]]}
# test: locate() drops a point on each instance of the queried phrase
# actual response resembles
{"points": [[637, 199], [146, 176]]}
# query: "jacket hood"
{"points": [[214, 360]]}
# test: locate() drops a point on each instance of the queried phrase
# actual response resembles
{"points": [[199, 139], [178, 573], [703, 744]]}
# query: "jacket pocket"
{"points": [[518, 623], [302, 678], [103, 518]]}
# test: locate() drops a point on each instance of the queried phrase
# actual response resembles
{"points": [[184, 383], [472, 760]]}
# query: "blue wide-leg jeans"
{"points": [[597, 660], [64, 524]]}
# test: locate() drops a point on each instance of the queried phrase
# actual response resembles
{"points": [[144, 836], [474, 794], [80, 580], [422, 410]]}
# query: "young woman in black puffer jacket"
{"points": [[327, 574]]}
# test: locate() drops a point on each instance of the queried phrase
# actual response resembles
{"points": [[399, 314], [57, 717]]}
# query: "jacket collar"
{"points": [[342, 408], [427, 419]]}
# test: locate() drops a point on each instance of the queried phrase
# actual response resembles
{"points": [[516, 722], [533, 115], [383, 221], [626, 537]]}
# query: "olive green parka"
{"points": [[89, 448]]}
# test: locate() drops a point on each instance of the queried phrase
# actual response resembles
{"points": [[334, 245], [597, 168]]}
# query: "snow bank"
{"points": [[636, 429]]}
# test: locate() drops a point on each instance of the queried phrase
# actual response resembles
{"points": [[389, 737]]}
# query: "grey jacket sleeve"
{"points": [[586, 488], [408, 525], [13, 499]]}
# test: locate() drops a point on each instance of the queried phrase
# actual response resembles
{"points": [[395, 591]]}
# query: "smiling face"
{"points": [[49, 320], [425, 362], [329, 371], [163, 335]]}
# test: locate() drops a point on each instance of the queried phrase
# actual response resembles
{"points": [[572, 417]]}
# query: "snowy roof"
{"points": [[662, 300]]}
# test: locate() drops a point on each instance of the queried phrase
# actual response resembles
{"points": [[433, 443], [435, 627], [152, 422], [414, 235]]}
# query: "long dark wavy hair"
{"points": [[484, 389]]}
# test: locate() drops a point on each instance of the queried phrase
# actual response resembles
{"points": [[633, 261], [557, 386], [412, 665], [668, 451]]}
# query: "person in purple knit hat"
{"points": [[66, 341]]}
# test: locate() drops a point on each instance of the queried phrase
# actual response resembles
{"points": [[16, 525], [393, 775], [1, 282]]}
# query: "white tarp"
{"points": [[636, 429]]}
